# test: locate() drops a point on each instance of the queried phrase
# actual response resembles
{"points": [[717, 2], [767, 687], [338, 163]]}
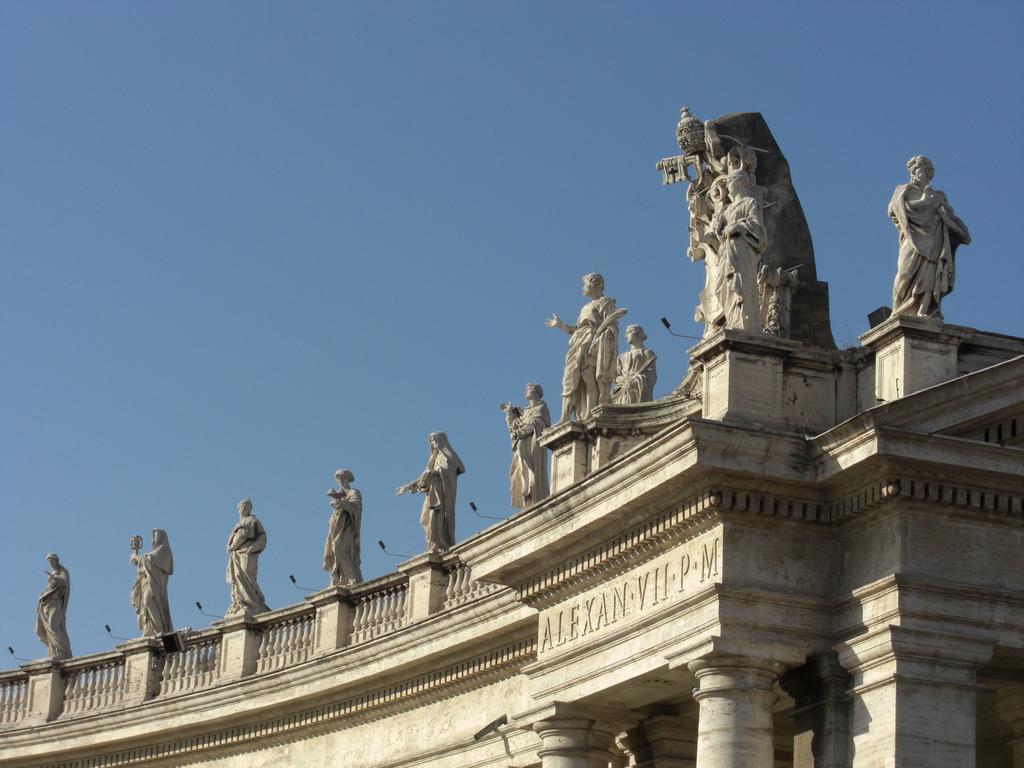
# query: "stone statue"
{"points": [[52, 610], [341, 552], [775, 293], [636, 372], [439, 483], [248, 538], [528, 474], [930, 233], [593, 346], [739, 227], [149, 592]]}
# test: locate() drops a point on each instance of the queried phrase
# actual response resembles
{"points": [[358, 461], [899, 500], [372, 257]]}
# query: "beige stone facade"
{"points": [[812, 559]]}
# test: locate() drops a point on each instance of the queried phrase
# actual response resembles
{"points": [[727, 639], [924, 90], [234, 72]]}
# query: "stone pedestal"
{"points": [[570, 454], [428, 582], [822, 712], [912, 353], [239, 648], [142, 666], [743, 375], [735, 726], [45, 691], [913, 698], [333, 619]]}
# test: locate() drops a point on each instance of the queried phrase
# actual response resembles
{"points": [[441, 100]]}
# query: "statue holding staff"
{"points": [[341, 552], [438, 483], [593, 347], [149, 592], [528, 474], [248, 539], [52, 610]]}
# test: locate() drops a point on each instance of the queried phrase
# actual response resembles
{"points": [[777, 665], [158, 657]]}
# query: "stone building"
{"points": [[803, 557]]}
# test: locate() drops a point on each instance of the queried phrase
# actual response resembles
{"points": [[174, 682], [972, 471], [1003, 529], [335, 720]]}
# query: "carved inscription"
{"points": [[648, 588]]}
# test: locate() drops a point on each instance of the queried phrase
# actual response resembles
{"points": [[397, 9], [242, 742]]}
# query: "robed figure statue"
{"points": [[930, 233], [528, 475], [149, 592], [593, 346], [248, 538], [52, 610], [438, 483], [341, 552], [636, 373]]}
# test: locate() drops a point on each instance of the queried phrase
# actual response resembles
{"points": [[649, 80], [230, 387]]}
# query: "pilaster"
{"points": [[913, 697], [428, 582], [912, 353], [661, 741], [570, 453], [822, 712]]}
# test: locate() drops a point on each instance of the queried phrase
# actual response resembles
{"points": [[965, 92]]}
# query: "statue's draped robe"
{"points": [[341, 552], [741, 228], [439, 482], [929, 235], [528, 474], [247, 540], [52, 614], [590, 356], [636, 376], [149, 592]]}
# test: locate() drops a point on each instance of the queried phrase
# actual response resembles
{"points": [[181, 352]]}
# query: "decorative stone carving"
{"points": [[714, 152], [635, 373], [247, 540], [341, 552], [775, 295], [593, 346], [438, 483], [528, 474], [52, 610], [930, 233], [149, 592]]}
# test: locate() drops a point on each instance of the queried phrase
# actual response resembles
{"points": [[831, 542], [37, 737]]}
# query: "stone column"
{"points": [[568, 742], [239, 646], [45, 691], [735, 695], [428, 582], [333, 619], [143, 663], [913, 697], [822, 713]]}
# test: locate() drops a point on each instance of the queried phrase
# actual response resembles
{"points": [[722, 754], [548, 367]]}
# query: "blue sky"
{"points": [[245, 244]]}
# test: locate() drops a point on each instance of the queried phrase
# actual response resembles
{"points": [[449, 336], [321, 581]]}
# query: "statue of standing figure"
{"points": [[593, 348], [930, 233], [739, 227], [341, 552], [52, 610], [439, 483], [248, 538], [636, 373], [149, 592], [528, 474]]}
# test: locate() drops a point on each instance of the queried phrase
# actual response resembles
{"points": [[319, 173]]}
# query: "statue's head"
{"points": [[593, 285], [739, 183], [344, 476], [718, 193], [438, 440], [635, 333], [922, 170], [534, 391], [245, 507], [53, 560], [159, 537]]}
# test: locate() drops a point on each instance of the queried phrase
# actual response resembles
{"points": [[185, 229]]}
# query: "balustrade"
{"points": [[192, 668], [13, 697], [462, 587], [97, 685], [379, 612], [287, 641]]}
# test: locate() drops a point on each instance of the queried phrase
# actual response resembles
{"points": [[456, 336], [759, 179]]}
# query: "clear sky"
{"points": [[244, 244]]}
